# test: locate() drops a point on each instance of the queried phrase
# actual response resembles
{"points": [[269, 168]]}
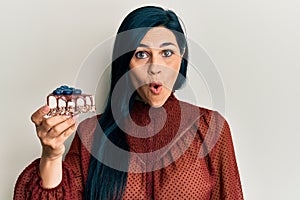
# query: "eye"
{"points": [[141, 55], [167, 53]]}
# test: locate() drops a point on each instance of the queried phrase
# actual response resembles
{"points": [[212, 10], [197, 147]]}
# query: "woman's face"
{"points": [[155, 66]]}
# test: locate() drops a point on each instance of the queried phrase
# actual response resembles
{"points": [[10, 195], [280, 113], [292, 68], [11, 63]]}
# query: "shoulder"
{"points": [[210, 123], [212, 129], [208, 116]]}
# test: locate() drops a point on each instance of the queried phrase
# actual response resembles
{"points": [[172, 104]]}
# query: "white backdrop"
{"points": [[254, 45]]}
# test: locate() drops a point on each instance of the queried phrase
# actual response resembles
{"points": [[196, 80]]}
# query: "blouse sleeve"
{"points": [[224, 170], [29, 183]]}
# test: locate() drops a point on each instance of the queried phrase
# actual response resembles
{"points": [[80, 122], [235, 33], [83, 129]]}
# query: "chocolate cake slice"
{"points": [[67, 100]]}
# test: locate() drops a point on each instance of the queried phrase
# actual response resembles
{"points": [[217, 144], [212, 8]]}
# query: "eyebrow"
{"points": [[162, 45]]}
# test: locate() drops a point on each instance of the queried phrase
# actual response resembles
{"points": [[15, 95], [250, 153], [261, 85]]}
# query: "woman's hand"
{"points": [[52, 132]]}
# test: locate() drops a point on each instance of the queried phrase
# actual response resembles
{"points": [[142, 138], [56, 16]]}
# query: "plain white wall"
{"points": [[254, 45]]}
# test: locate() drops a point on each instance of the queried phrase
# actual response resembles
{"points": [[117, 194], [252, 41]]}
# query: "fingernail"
{"points": [[45, 108]]}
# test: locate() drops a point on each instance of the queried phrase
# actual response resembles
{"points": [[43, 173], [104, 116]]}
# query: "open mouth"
{"points": [[155, 87]]}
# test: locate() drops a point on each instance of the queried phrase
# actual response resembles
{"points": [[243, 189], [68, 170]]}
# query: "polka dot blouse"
{"points": [[178, 151]]}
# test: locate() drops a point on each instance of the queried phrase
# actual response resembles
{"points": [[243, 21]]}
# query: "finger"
{"points": [[59, 140], [56, 142], [38, 116], [61, 128], [48, 124], [66, 134]]}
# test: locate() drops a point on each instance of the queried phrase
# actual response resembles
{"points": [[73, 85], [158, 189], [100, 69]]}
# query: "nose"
{"points": [[155, 66], [154, 69]]}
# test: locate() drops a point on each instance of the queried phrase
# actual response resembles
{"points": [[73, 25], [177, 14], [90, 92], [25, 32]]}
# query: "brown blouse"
{"points": [[179, 151]]}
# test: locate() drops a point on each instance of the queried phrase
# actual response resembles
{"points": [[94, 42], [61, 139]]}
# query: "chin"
{"points": [[156, 104]]}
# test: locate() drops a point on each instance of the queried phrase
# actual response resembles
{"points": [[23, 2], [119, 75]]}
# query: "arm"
{"points": [[29, 184], [49, 177], [52, 132], [226, 179]]}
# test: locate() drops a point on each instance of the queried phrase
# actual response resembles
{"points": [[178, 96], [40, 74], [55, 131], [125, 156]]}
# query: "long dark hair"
{"points": [[103, 181]]}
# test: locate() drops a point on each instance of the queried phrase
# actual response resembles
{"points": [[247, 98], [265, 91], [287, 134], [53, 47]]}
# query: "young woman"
{"points": [[147, 144]]}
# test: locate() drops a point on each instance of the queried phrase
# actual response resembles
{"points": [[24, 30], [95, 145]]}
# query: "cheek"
{"points": [[134, 63], [175, 63], [171, 76], [138, 76]]}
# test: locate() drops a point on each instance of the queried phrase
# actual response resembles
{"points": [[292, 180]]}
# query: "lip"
{"points": [[155, 88]]}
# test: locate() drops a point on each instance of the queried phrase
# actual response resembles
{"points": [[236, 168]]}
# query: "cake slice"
{"points": [[67, 100]]}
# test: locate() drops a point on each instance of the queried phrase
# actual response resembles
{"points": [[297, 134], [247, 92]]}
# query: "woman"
{"points": [[176, 150]]}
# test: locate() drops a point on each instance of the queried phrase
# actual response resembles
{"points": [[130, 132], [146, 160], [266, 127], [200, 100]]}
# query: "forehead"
{"points": [[158, 35]]}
